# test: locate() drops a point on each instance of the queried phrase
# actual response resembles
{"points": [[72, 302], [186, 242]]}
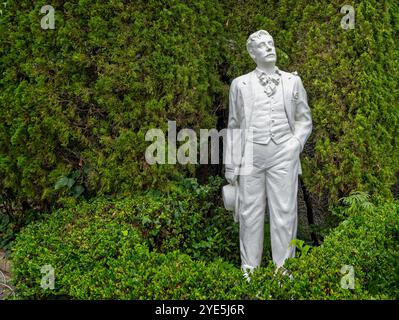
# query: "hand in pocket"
{"points": [[295, 144]]}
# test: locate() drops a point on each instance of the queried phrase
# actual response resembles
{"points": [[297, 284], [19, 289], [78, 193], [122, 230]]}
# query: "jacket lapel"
{"points": [[248, 95], [287, 85]]}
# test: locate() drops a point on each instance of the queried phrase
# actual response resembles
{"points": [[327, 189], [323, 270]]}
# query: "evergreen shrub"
{"points": [[98, 255]]}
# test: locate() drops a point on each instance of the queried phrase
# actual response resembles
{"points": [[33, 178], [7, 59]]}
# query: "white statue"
{"points": [[272, 105]]}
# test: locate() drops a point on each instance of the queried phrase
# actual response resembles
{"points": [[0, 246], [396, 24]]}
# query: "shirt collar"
{"points": [[259, 72]]}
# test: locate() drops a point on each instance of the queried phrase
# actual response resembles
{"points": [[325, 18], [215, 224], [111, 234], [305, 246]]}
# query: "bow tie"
{"points": [[270, 81]]}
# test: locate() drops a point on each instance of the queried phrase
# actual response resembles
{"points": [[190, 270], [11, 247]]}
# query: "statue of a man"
{"points": [[272, 105]]}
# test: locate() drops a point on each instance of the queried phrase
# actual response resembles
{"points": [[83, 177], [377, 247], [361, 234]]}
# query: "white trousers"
{"points": [[275, 174]]}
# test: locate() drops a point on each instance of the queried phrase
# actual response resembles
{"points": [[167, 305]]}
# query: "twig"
{"points": [[4, 277], [5, 285], [8, 287]]}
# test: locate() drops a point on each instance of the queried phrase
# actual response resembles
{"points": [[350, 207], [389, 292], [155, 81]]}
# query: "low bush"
{"points": [[366, 242], [103, 250], [189, 218], [95, 257]]}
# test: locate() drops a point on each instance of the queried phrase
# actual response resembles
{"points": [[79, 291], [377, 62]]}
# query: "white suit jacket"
{"points": [[241, 102]]}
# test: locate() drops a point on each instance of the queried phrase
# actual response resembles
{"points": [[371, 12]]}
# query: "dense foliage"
{"points": [[367, 242], [101, 250], [77, 101]]}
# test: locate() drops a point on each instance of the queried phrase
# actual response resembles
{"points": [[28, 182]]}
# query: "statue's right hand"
{"points": [[230, 177]]}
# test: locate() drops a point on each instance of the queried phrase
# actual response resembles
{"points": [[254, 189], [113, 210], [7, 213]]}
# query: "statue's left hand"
{"points": [[230, 177]]}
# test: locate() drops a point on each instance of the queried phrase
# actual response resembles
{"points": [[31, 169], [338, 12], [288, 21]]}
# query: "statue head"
{"points": [[260, 46]]}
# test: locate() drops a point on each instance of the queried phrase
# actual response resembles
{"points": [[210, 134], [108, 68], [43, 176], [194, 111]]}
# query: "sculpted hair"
{"points": [[255, 37]]}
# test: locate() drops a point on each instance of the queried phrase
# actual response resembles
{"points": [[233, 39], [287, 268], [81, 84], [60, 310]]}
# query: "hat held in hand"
{"points": [[230, 199]]}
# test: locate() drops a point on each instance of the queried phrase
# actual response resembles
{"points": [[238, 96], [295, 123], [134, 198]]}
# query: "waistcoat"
{"points": [[269, 120]]}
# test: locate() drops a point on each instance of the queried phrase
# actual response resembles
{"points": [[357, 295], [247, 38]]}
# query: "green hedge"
{"points": [[367, 240], [99, 252], [98, 258], [134, 248], [77, 100]]}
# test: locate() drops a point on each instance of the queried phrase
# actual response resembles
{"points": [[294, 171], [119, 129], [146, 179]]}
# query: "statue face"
{"points": [[263, 51]]}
